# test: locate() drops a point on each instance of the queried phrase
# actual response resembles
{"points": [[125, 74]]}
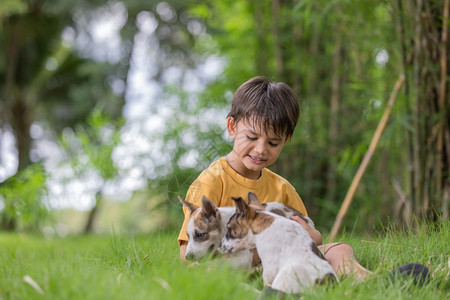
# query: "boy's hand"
{"points": [[313, 233]]}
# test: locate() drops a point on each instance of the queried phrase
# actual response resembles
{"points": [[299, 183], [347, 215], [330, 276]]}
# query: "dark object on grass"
{"points": [[418, 272]]}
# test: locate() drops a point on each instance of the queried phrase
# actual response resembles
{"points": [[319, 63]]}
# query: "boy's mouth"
{"points": [[257, 160]]}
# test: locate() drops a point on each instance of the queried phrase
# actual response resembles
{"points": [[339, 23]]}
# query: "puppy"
{"points": [[290, 259], [207, 226]]}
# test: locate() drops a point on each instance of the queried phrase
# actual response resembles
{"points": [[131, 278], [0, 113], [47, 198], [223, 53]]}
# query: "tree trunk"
{"points": [[262, 55], [17, 113], [443, 124], [333, 131], [89, 228], [430, 109], [276, 32], [417, 110]]}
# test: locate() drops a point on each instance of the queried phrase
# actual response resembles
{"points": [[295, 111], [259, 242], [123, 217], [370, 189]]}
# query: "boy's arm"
{"points": [[183, 246], [313, 233]]}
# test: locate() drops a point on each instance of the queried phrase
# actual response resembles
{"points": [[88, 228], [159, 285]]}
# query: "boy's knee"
{"points": [[340, 249], [344, 247]]}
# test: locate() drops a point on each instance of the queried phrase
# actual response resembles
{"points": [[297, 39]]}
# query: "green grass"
{"points": [[148, 267]]}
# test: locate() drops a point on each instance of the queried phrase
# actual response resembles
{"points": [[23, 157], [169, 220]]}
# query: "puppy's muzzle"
{"points": [[224, 249]]}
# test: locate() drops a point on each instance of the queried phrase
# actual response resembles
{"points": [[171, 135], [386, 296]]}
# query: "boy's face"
{"points": [[253, 149]]}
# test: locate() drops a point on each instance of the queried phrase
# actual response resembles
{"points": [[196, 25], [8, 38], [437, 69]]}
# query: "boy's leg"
{"points": [[342, 258]]}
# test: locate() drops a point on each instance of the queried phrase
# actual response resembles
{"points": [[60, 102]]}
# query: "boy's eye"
{"points": [[273, 144], [251, 138]]}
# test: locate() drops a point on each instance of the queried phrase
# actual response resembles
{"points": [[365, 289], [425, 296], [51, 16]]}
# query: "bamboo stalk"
{"points": [[333, 119], [367, 157], [278, 52], [261, 32], [406, 60], [417, 110], [442, 96]]}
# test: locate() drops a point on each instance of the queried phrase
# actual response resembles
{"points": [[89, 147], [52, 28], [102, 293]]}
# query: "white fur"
{"points": [[288, 262]]}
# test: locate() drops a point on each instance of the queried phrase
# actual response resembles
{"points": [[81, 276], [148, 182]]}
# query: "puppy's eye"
{"points": [[200, 236]]}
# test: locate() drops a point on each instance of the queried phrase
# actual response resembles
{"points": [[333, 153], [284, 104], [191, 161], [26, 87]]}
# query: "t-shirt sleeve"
{"points": [[196, 191], [294, 200]]}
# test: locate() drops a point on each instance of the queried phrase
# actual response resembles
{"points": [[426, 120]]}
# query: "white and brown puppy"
{"points": [[207, 226], [290, 259]]}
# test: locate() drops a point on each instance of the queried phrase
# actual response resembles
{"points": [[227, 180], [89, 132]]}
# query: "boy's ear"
{"points": [[231, 126]]}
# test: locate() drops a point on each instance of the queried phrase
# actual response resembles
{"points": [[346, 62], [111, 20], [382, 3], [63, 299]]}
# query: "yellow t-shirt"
{"points": [[219, 182]]}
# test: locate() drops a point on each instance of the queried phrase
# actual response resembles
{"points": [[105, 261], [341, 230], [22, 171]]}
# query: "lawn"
{"points": [[148, 267]]}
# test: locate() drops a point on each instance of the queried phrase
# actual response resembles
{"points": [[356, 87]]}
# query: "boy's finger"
{"points": [[298, 220]]}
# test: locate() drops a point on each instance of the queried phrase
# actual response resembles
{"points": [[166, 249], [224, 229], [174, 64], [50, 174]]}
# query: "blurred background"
{"points": [[110, 109]]}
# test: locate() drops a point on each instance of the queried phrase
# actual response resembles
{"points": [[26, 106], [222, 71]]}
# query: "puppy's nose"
{"points": [[221, 248]]}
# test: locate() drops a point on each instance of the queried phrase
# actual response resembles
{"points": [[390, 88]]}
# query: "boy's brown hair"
{"points": [[267, 103]]}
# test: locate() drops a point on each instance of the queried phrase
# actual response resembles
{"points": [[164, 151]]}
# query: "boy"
{"points": [[262, 118]]}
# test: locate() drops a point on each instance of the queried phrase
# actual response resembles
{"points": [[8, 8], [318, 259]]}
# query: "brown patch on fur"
{"points": [[209, 209], [238, 226], [279, 212], [200, 222], [261, 222], [248, 217], [203, 221], [289, 209], [328, 278], [316, 251]]}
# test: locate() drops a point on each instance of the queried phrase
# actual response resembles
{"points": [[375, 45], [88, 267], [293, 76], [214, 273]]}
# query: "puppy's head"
{"points": [[204, 229], [239, 232]]}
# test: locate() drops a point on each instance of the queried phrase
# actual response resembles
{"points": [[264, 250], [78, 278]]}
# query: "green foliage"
{"points": [[90, 148], [343, 51], [349, 50], [21, 199], [12, 7], [44, 76], [148, 267]]}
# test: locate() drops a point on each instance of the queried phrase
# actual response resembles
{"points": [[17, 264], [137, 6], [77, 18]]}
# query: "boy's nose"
{"points": [[260, 148]]}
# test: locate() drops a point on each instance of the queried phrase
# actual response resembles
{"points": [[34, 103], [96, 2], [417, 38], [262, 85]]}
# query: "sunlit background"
{"points": [[126, 102]]}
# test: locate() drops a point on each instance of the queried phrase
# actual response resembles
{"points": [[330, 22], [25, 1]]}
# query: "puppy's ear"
{"points": [[253, 201], [241, 206], [190, 206], [209, 210]]}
